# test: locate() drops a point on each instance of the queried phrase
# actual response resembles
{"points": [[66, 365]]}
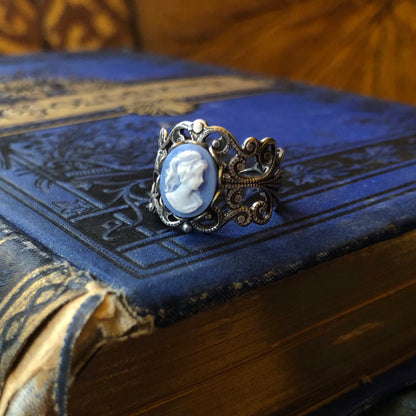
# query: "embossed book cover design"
{"points": [[77, 149]]}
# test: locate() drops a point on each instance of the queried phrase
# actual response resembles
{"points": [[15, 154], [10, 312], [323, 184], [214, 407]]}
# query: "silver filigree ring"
{"points": [[204, 178]]}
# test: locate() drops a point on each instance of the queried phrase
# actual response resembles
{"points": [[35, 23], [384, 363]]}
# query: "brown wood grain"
{"points": [[284, 349], [366, 47], [75, 25], [19, 26]]}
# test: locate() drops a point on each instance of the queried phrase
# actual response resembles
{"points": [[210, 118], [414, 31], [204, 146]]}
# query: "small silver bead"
{"points": [[198, 126], [186, 227]]}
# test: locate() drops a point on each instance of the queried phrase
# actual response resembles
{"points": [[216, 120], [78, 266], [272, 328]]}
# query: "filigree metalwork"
{"points": [[247, 177]]}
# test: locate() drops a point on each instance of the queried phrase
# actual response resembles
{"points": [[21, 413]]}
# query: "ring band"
{"points": [[203, 178]]}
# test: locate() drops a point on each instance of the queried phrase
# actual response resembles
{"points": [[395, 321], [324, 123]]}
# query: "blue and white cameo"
{"points": [[188, 180]]}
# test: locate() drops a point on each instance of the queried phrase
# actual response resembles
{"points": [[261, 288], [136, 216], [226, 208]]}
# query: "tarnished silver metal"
{"points": [[246, 178]]}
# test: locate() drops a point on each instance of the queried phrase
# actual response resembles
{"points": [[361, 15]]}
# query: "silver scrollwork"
{"points": [[247, 177]]}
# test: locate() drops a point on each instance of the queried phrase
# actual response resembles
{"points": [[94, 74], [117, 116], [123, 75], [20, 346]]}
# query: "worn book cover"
{"points": [[78, 246]]}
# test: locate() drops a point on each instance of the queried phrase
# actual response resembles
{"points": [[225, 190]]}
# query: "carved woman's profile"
{"points": [[184, 176]]}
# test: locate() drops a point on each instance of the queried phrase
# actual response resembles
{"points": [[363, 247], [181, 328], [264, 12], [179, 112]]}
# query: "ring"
{"points": [[203, 178]]}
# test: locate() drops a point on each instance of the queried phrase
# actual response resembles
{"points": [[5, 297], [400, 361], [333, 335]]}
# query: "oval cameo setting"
{"points": [[188, 180]]}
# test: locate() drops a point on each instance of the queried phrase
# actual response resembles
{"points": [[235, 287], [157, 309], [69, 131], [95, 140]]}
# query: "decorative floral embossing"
{"points": [[328, 169], [377, 154], [72, 208], [102, 160], [90, 149], [111, 162], [133, 193]]}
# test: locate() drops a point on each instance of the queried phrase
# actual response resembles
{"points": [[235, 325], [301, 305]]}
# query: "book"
{"points": [[107, 311]]}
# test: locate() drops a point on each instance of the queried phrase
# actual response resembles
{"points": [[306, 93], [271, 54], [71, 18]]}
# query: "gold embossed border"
{"points": [[35, 290], [95, 99], [52, 319]]}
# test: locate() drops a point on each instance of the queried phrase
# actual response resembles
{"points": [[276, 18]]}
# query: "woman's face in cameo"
{"points": [[195, 179], [188, 180], [186, 171], [184, 176]]}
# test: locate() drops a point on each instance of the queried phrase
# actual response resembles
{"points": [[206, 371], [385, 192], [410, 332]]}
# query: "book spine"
{"points": [[53, 317]]}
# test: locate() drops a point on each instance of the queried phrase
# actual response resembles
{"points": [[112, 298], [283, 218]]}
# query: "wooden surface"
{"points": [[362, 46], [86, 25], [73, 25], [19, 26]]}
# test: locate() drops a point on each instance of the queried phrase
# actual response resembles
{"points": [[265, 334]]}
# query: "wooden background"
{"points": [[365, 46]]}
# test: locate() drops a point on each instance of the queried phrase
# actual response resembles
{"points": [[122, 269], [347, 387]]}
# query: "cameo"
{"points": [[188, 180]]}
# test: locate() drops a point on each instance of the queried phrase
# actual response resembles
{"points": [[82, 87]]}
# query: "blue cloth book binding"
{"points": [[78, 140]]}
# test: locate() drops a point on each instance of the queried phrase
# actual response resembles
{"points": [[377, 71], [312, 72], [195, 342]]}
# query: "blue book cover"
{"points": [[78, 142]]}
